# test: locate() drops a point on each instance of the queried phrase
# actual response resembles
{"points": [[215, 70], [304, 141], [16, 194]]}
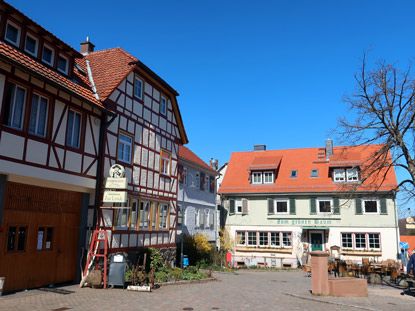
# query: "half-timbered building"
{"points": [[145, 140], [49, 154]]}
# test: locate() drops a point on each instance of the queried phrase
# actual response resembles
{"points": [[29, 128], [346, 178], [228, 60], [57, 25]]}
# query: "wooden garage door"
{"points": [[39, 243]]}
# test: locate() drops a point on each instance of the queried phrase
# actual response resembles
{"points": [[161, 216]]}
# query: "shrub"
{"points": [[156, 260], [161, 276], [175, 274]]}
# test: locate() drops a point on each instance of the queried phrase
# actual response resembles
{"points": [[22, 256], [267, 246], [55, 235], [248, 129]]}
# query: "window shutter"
{"points": [[336, 206], [271, 207], [244, 207], [358, 203], [383, 207], [313, 210], [231, 206], [292, 206]]}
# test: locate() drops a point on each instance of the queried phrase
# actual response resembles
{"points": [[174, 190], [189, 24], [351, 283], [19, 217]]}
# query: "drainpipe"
{"points": [[397, 225], [91, 79]]}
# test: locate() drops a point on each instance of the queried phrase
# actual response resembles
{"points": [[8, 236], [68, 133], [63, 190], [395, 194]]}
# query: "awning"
{"points": [[315, 228]]}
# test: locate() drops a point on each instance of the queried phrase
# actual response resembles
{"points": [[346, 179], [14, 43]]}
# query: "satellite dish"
{"points": [[410, 220]]}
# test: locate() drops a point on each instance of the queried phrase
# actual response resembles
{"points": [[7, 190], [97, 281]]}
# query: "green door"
{"points": [[316, 242]]}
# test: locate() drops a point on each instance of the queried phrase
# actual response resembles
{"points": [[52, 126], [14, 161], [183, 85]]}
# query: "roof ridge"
{"points": [[113, 49]]}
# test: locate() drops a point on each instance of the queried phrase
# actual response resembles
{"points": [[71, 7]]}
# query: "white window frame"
{"points": [[165, 162], [140, 95], [243, 234], [197, 215], [71, 143], [19, 33], [364, 200], [365, 239], [290, 238], [40, 97], [368, 241], [36, 45], [258, 174], [265, 177], [119, 212], [314, 170], [12, 110], [238, 205], [163, 111], [339, 175], [123, 144], [293, 174], [324, 200], [52, 57], [276, 206], [67, 64], [265, 233], [256, 238], [279, 239], [352, 175], [144, 221], [163, 216], [351, 240]]}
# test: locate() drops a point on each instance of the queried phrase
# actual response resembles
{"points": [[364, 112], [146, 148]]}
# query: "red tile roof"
{"points": [[236, 179], [410, 239], [109, 68], [186, 154], [21, 60]]}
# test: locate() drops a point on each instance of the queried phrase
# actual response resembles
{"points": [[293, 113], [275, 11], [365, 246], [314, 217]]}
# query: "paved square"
{"points": [[247, 290]]}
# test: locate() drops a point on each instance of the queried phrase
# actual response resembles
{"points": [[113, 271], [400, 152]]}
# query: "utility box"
{"points": [[117, 267]]}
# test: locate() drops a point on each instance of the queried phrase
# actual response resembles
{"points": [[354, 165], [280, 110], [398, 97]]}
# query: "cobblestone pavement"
{"points": [[248, 290]]}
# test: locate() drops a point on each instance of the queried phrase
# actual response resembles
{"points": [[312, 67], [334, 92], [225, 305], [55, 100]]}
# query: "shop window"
{"points": [[263, 238], [164, 210], [144, 214], [240, 238]]}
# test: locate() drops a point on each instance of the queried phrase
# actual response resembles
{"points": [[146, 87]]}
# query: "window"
{"points": [[361, 241], [15, 106], [370, 206], [154, 210], [74, 129], [144, 214], [182, 174], [339, 175], [347, 242], [286, 239], [314, 173], [197, 224], [38, 115], [202, 181], [197, 180], [241, 206], [163, 106], [48, 55], [201, 219], [257, 178], [12, 33], [252, 238], [211, 184], [240, 238], [163, 223], [44, 238], [207, 185], [16, 239], [263, 238], [275, 239], [138, 87], [125, 146], [352, 175], [121, 218], [165, 162], [31, 44], [374, 241], [268, 177], [324, 206], [282, 206], [63, 64], [294, 174], [134, 214], [212, 219]]}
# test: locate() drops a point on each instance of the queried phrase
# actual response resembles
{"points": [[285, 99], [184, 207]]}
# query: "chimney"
{"points": [[214, 163], [87, 47], [260, 147], [329, 148]]}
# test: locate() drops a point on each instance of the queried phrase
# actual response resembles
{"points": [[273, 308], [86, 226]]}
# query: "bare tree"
{"points": [[383, 110]]}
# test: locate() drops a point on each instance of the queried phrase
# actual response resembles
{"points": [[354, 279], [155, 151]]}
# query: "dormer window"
{"points": [[31, 45], [293, 174], [341, 175], [63, 64], [260, 178], [48, 55], [12, 33]]}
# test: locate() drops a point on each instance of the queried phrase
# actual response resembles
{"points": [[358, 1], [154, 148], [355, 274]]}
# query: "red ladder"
{"points": [[94, 251]]}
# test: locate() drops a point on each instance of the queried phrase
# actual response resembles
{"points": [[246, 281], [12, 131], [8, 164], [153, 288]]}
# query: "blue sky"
{"points": [[248, 72]]}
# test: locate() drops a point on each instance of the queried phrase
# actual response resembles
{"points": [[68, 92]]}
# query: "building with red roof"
{"points": [[283, 203], [197, 198]]}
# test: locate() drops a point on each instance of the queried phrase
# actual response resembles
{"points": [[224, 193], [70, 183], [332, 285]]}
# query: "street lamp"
{"points": [[192, 185]]}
